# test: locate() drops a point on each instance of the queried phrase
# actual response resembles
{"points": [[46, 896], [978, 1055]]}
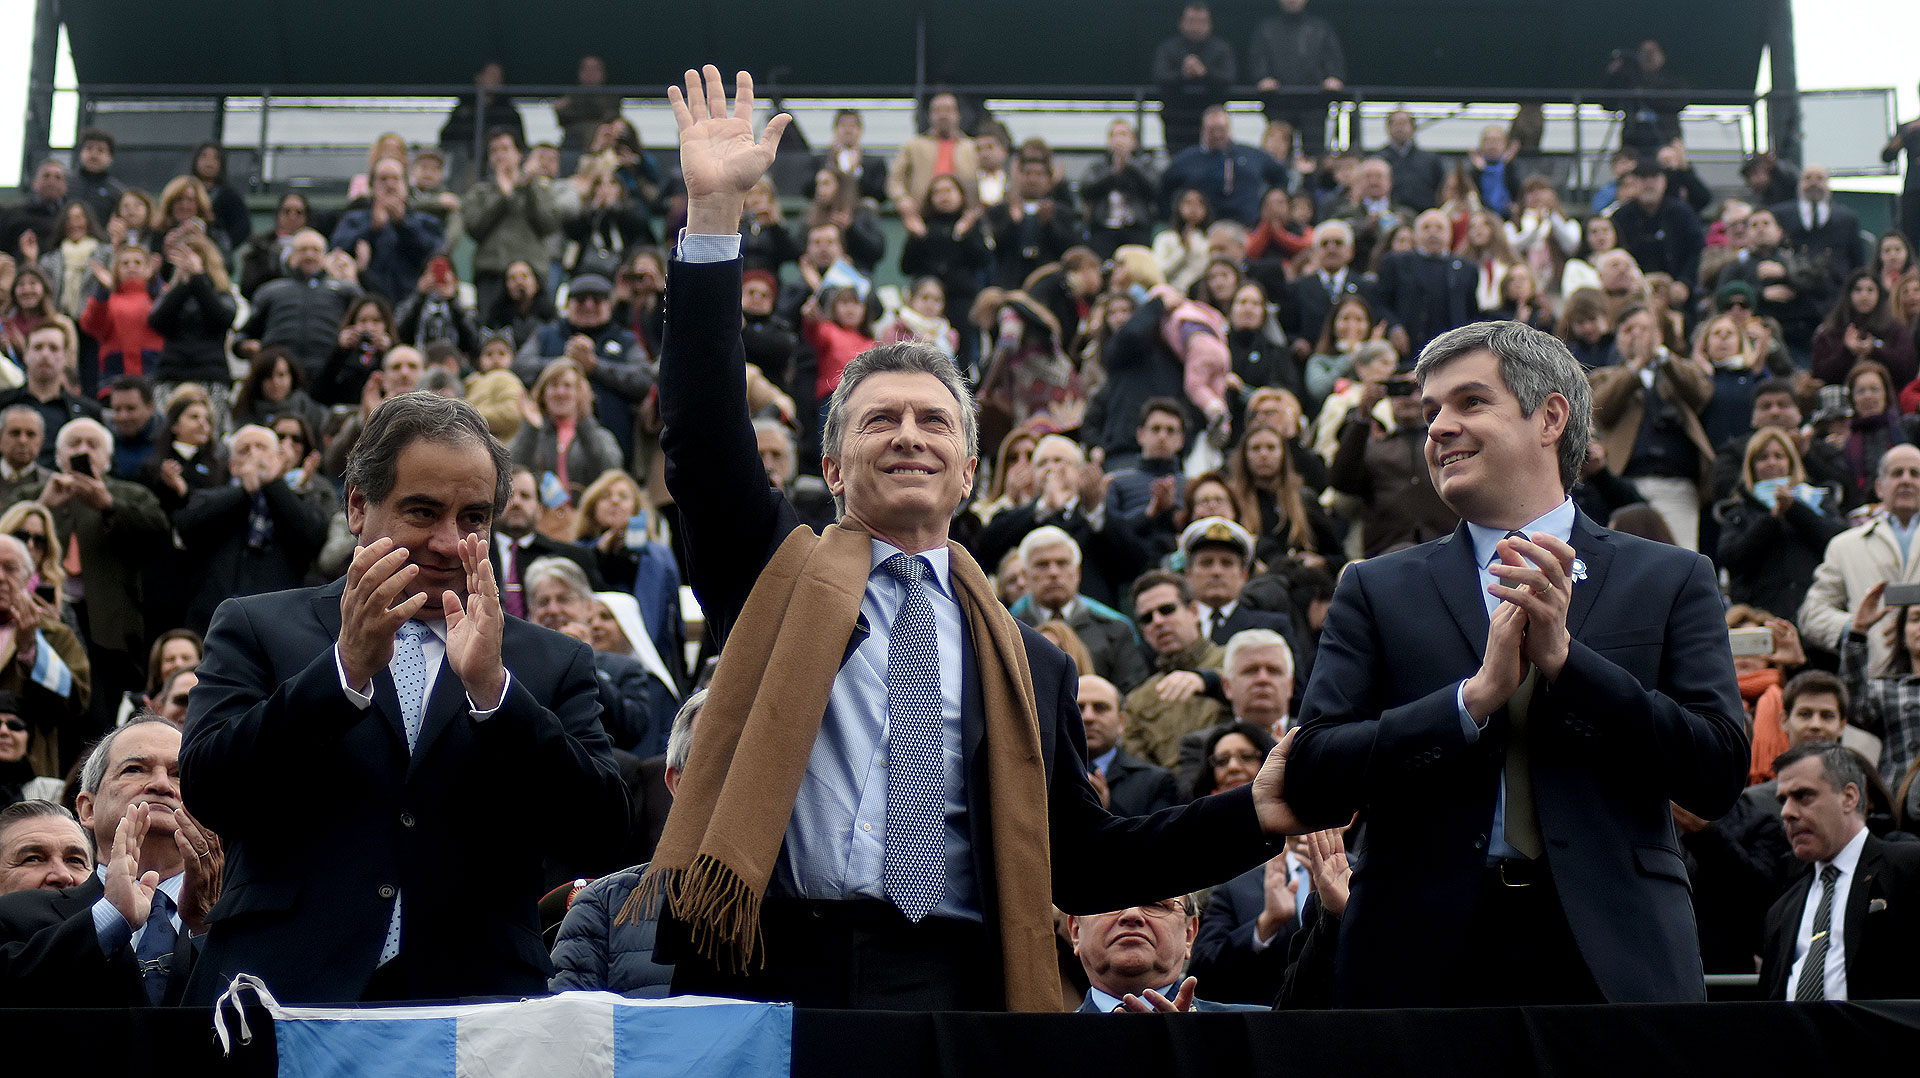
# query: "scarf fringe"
{"points": [[718, 907]]}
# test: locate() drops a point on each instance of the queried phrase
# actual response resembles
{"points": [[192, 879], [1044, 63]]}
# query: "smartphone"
{"points": [[637, 531], [553, 493], [440, 269], [1398, 387], [1901, 595], [1750, 641], [81, 463]]}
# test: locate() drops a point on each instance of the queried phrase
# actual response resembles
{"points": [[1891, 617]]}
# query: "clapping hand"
{"points": [[1151, 1001], [206, 864], [1536, 575], [369, 616], [128, 889], [475, 629], [1326, 859]]}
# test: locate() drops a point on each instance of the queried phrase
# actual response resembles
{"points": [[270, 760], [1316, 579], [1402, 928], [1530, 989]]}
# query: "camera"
{"points": [[1402, 387]]}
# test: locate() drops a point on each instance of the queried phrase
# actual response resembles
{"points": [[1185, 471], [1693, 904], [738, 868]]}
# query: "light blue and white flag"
{"points": [[49, 669], [583, 1034]]}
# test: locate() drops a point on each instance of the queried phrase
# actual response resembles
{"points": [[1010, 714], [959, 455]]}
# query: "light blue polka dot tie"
{"points": [[914, 871], [410, 685]]}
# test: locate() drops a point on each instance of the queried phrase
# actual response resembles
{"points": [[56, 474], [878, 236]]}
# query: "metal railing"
{"points": [[277, 126]]}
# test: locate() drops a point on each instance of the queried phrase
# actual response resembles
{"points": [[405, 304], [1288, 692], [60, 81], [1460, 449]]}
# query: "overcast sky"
{"points": [[1843, 44]]}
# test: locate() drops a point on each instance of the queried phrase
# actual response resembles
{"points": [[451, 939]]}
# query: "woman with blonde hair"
{"points": [[186, 208], [630, 549], [32, 524], [568, 441], [1775, 528]]}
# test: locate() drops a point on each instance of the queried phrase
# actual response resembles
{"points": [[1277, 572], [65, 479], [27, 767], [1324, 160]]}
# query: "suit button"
{"points": [[406, 819], [386, 890]]}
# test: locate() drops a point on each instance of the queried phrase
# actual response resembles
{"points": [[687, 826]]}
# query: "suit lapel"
{"points": [[1593, 548], [1457, 578], [1858, 897], [448, 700], [326, 608]]}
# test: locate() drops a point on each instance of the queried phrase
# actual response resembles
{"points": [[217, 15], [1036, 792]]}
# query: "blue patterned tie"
{"points": [[916, 853], [410, 685], [155, 951]]}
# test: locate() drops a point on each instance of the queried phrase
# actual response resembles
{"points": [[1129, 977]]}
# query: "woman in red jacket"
{"points": [[116, 317]]}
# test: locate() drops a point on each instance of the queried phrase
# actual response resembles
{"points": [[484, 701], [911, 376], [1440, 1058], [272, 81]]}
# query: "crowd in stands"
{"points": [[1192, 366]]}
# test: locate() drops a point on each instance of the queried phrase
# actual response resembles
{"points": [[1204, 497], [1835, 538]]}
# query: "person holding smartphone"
{"points": [[98, 520]]}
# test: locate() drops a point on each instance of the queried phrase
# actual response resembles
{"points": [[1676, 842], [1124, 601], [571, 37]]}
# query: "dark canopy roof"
{"points": [[1439, 43]]}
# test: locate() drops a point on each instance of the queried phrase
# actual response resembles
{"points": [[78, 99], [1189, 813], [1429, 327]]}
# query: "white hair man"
{"points": [[1052, 561]]}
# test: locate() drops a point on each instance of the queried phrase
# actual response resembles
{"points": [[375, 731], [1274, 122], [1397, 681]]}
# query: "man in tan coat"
{"points": [[1169, 704], [943, 150]]}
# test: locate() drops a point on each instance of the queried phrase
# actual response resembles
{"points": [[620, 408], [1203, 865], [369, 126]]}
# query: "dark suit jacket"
{"points": [[734, 521], [1223, 955], [50, 954], [1838, 239], [1882, 930], [312, 869], [542, 547], [1138, 788], [1307, 302], [1646, 711], [1428, 295], [213, 526], [115, 544], [1117, 655]]}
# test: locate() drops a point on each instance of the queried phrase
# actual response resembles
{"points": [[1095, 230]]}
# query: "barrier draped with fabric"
{"points": [[1642, 1041]]}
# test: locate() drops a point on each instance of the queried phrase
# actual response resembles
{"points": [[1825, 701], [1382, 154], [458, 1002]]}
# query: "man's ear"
{"points": [[83, 808], [830, 471], [356, 510], [1073, 932], [1553, 413]]}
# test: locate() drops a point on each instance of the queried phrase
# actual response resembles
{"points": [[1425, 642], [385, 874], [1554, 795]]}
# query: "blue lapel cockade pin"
{"points": [[1579, 570]]}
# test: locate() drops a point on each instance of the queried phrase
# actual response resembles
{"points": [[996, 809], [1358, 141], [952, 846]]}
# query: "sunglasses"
{"points": [[38, 539], [1223, 759], [18, 726], [1153, 614]]}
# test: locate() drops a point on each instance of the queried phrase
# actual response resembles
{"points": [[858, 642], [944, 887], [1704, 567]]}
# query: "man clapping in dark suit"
{"points": [[1849, 928], [392, 683], [122, 938], [1512, 709]]}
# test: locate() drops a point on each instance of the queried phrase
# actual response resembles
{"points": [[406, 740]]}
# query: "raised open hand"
{"points": [[719, 158], [475, 628]]}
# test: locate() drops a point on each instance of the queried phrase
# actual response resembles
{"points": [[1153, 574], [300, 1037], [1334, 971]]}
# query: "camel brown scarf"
{"points": [[757, 730]]}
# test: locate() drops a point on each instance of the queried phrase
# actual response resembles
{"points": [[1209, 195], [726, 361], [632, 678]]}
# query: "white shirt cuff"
{"points": [[354, 696], [699, 248], [482, 716], [1260, 944], [1467, 725]]}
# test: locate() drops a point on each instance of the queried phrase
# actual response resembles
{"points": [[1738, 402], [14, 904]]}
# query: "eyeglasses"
{"points": [[38, 539], [178, 699], [1164, 610], [1225, 759], [18, 726]]}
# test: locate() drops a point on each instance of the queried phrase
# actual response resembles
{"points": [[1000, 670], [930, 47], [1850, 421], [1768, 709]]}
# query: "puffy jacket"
{"points": [[594, 954]]}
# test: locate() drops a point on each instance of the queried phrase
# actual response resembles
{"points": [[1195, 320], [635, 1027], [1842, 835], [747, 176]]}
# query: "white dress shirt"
{"points": [[1847, 861]]}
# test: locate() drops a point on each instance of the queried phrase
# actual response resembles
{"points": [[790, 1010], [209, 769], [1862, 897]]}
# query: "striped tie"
{"points": [[1812, 986]]}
